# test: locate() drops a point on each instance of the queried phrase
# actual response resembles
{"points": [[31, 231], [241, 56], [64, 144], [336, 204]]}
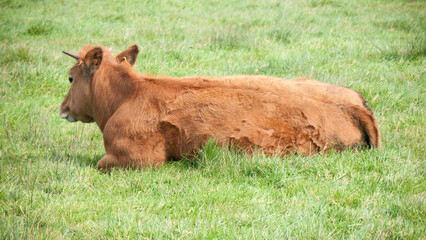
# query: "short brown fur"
{"points": [[146, 120]]}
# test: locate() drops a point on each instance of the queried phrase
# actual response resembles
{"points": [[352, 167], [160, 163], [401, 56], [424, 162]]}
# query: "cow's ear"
{"points": [[129, 55], [93, 59]]}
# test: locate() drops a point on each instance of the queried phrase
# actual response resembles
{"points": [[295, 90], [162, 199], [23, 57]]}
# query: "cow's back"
{"points": [[305, 87]]}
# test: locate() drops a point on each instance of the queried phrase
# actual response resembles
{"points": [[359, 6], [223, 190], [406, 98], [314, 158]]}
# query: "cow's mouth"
{"points": [[68, 117]]}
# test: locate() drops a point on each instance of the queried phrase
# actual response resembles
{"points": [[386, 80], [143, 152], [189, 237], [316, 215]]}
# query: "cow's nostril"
{"points": [[63, 115]]}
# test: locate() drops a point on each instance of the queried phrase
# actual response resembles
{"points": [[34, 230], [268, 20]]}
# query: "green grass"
{"points": [[49, 185]]}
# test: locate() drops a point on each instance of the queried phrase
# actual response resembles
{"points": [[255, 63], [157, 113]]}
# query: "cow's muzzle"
{"points": [[67, 116]]}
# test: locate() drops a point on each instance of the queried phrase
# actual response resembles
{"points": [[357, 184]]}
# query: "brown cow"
{"points": [[147, 120]]}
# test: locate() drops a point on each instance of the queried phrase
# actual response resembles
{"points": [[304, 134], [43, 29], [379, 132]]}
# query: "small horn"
{"points": [[110, 48], [73, 55]]}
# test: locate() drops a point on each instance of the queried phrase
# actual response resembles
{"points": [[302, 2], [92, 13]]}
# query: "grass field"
{"points": [[49, 185]]}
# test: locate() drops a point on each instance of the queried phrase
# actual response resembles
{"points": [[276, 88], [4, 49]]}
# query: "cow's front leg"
{"points": [[109, 162], [131, 148]]}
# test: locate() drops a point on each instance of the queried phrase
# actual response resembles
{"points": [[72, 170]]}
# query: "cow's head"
{"points": [[76, 106]]}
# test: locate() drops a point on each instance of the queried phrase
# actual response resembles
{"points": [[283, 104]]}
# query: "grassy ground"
{"points": [[49, 187]]}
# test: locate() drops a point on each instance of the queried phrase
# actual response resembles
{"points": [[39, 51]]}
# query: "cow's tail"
{"points": [[368, 125]]}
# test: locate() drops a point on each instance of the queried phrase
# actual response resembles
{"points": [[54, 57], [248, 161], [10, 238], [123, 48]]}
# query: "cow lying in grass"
{"points": [[146, 120]]}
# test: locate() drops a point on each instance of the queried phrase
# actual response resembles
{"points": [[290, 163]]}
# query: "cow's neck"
{"points": [[109, 90]]}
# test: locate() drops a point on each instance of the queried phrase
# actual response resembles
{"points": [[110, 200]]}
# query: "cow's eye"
{"points": [[70, 78]]}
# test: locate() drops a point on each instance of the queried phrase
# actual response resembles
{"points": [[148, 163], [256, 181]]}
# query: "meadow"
{"points": [[50, 187]]}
